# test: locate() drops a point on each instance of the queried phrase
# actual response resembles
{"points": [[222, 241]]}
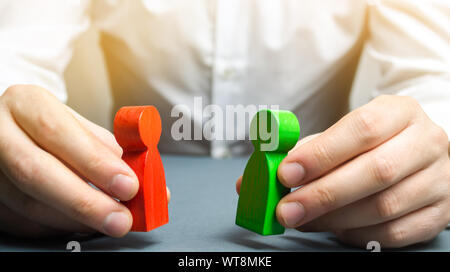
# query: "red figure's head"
{"points": [[137, 128]]}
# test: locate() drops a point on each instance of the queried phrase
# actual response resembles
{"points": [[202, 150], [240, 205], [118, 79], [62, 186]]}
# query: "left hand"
{"points": [[380, 173]]}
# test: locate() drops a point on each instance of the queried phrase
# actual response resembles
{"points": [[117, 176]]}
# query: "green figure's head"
{"points": [[274, 130]]}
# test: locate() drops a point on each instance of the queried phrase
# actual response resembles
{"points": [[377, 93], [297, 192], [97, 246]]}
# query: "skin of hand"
{"points": [[380, 173], [48, 154]]}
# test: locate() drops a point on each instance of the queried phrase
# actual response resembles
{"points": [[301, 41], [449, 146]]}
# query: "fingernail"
{"points": [[292, 213], [168, 194], [123, 186], [291, 173], [116, 224]]}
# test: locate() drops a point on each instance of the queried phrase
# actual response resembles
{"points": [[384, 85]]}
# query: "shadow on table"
{"points": [[431, 245], [131, 242], [92, 242], [14, 243], [249, 240], [287, 242]]}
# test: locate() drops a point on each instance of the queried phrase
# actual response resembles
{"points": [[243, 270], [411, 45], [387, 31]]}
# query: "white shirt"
{"points": [[300, 55]]}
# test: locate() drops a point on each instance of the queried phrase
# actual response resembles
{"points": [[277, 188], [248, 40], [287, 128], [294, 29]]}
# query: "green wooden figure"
{"points": [[273, 134]]}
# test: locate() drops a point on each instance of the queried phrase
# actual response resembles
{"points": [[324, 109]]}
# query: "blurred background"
{"points": [[86, 76]]}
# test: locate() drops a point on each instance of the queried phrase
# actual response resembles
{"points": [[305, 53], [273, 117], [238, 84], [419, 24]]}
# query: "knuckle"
{"points": [[384, 171], [10, 98], [367, 126], [24, 170], [326, 198], [433, 224], [47, 127], [439, 137], [383, 97], [27, 98], [387, 99], [322, 153], [387, 205], [83, 208], [395, 236], [428, 228], [436, 214], [96, 161], [410, 101], [12, 91], [21, 92], [412, 106]]}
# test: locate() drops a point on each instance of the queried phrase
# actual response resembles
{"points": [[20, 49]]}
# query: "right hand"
{"points": [[48, 153]]}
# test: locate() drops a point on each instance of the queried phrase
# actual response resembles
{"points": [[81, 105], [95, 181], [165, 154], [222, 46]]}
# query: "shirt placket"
{"points": [[229, 62]]}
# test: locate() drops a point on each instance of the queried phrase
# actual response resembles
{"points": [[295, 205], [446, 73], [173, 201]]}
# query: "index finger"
{"points": [[39, 174], [58, 132]]}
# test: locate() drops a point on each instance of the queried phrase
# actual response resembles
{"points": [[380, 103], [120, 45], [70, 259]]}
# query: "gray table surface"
{"points": [[202, 213]]}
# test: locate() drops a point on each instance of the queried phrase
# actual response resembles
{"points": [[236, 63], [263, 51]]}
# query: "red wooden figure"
{"points": [[137, 130]]}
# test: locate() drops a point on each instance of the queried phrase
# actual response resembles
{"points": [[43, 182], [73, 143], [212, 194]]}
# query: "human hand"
{"points": [[380, 173], [48, 153]]}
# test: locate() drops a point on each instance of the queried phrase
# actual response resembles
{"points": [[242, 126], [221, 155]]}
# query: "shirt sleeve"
{"points": [[36, 40], [409, 41]]}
